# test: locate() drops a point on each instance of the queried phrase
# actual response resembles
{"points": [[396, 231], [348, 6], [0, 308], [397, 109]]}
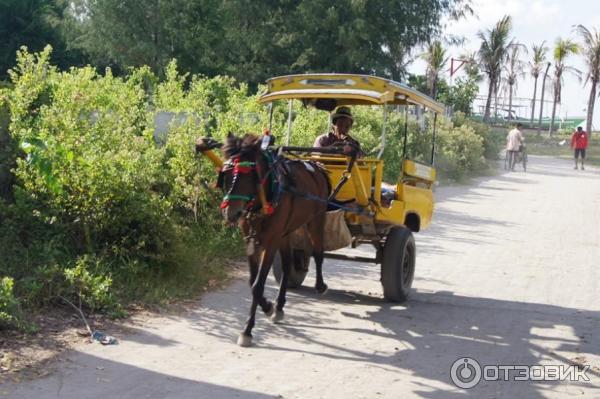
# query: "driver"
{"points": [[342, 121]]}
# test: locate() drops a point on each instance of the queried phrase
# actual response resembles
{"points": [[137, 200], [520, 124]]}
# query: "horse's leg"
{"points": [[285, 252], [253, 269], [316, 229], [258, 289], [253, 262], [265, 305]]}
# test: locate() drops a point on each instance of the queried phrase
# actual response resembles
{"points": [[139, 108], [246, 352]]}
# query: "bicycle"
{"points": [[521, 158]]}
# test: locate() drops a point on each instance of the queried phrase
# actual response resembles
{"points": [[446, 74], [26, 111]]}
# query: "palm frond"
{"points": [[590, 50]]}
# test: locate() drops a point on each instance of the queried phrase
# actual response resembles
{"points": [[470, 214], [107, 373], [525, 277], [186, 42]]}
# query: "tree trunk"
{"points": [[434, 87], [542, 98], [496, 103], [590, 109], [533, 102], [551, 129], [510, 93], [488, 103]]}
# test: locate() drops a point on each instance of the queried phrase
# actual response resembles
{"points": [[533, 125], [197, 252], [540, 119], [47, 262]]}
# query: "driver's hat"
{"points": [[341, 112]]}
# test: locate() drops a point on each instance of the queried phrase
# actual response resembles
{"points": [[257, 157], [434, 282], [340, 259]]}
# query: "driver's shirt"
{"points": [[330, 139]]}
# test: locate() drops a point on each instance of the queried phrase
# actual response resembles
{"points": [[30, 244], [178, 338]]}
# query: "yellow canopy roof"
{"points": [[345, 89]]}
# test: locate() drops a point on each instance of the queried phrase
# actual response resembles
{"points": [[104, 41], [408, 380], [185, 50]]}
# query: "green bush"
{"points": [[461, 151], [96, 203], [89, 287], [9, 305], [7, 147], [493, 141]]}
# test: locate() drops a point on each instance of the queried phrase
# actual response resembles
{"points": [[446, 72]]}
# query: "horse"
{"points": [[269, 197]]}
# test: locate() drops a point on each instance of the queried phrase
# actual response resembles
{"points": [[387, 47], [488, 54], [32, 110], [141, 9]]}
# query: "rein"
{"points": [[247, 167]]}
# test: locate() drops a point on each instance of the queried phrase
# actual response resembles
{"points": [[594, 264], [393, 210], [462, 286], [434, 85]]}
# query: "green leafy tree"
{"points": [[514, 69], [536, 65], [493, 53], [563, 48], [33, 23], [126, 33], [590, 50], [436, 60], [471, 66], [418, 82], [252, 41], [461, 95]]}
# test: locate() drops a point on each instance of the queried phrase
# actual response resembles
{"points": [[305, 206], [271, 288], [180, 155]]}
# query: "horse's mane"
{"points": [[235, 145]]}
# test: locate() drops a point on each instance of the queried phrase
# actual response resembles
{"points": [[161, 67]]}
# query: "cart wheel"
{"points": [[298, 269], [398, 265]]}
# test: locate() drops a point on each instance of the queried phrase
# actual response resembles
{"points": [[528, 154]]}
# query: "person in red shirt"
{"points": [[579, 142]]}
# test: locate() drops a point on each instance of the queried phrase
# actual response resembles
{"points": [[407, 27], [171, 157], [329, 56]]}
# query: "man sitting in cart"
{"points": [[342, 121]]}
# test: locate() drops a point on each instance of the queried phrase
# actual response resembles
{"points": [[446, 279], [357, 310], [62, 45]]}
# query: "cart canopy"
{"points": [[327, 91]]}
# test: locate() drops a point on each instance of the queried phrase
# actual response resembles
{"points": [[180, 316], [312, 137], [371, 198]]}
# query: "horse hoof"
{"points": [[244, 341], [277, 316], [270, 310], [321, 289]]}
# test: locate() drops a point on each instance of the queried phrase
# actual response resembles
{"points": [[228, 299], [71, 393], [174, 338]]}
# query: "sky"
{"points": [[533, 22]]}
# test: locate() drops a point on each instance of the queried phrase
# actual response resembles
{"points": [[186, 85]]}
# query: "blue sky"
{"points": [[533, 22]]}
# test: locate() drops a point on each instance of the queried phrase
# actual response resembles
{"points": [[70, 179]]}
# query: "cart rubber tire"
{"points": [[298, 269], [398, 265]]}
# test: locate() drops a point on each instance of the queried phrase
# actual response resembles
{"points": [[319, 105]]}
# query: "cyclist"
{"points": [[514, 142]]}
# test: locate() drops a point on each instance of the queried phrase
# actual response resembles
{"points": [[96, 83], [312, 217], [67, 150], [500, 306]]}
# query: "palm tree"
{"points": [[400, 58], [539, 128], [591, 53], [436, 59], [492, 55], [514, 69], [562, 49], [471, 66], [535, 68]]}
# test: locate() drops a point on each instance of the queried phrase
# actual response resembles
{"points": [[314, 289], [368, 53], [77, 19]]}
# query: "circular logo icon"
{"points": [[465, 372]]}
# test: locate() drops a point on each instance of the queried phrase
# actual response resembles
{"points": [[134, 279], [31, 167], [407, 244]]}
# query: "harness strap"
{"points": [[227, 197]]}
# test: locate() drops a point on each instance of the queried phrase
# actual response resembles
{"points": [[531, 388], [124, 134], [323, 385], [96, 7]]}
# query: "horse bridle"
{"points": [[243, 168], [239, 168]]}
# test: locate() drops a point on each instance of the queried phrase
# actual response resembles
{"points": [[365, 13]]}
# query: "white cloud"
{"points": [[543, 10]]}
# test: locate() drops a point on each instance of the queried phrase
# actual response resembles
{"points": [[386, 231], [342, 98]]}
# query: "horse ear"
{"points": [[230, 135]]}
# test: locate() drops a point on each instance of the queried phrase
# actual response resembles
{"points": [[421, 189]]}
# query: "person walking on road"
{"points": [[579, 143], [514, 141]]}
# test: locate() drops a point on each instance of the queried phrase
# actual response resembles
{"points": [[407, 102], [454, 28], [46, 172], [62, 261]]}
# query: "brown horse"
{"points": [[270, 197]]}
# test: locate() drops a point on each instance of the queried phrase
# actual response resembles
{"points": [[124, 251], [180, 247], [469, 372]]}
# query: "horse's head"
{"points": [[240, 176], [204, 144]]}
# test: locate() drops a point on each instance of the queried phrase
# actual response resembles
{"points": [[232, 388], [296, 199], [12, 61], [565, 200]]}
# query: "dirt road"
{"points": [[508, 274]]}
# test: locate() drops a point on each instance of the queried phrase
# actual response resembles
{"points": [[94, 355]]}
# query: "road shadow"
{"points": [[427, 334], [101, 378]]}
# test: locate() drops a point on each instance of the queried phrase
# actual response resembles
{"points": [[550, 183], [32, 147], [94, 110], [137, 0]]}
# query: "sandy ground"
{"points": [[507, 274]]}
